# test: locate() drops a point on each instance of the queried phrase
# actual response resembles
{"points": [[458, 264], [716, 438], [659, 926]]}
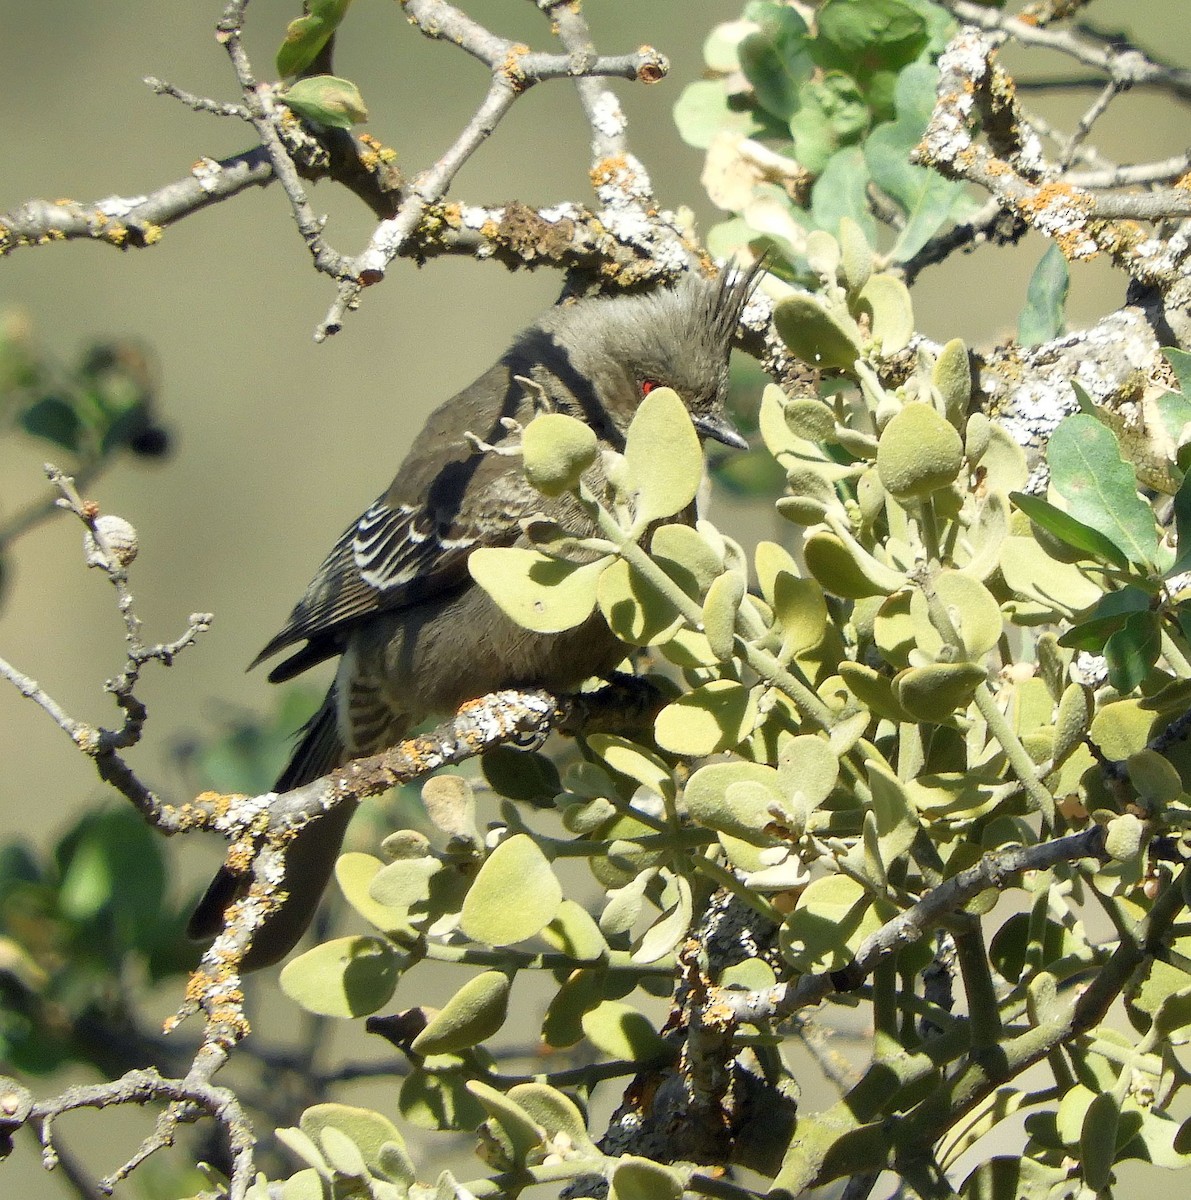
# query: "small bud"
{"points": [[120, 537]]}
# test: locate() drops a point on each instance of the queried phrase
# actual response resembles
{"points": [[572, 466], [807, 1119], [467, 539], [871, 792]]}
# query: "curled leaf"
{"points": [[326, 99], [475, 1012]]}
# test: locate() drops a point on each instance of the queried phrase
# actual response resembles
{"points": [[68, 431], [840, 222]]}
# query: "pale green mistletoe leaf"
{"points": [[348, 977], [514, 895], [663, 458], [546, 595]]}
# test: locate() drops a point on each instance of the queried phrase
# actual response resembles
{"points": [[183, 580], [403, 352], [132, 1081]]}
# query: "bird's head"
{"points": [[611, 352]]}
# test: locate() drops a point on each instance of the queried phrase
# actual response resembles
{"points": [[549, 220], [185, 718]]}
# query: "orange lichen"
{"points": [[374, 153], [607, 170], [217, 802], [1055, 196], [511, 67]]}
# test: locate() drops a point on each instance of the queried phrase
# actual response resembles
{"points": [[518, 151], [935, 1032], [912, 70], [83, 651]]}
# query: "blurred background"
{"points": [[277, 443]]}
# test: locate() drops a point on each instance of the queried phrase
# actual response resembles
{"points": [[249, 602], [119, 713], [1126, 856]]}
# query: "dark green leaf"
{"points": [[1100, 488], [1068, 530], [775, 59], [1105, 617], [1133, 650], [55, 420], [113, 879], [1042, 318]]}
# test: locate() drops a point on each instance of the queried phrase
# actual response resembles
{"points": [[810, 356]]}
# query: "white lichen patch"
{"points": [[623, 181], [119, 206], [607, 117], [567, 211], [242, 813], [207, 171], [474, 217]]}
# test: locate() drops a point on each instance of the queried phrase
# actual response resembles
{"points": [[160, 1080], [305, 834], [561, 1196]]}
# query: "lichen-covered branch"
{"points": [[513, 70], [1126, 67], [995, 870], [411, 223], [259, 827], [974, 92], [136, 221]]}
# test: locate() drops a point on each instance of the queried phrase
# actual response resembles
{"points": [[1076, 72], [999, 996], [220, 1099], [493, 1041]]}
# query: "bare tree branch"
{"points": [[1083, 222], [1128, 68]]}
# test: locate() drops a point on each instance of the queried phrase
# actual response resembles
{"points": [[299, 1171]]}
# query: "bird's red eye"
{"points": [[647, 386]]}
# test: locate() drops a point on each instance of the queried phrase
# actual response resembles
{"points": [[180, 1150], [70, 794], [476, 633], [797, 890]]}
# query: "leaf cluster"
{"points": [[908, 693], [847, 101]]}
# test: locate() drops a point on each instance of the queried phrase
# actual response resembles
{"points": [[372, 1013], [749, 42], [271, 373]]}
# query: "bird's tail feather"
{"points": [[310, 857]]}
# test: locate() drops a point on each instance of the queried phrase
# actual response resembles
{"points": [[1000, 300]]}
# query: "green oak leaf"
{"points": [[1100, 488]]}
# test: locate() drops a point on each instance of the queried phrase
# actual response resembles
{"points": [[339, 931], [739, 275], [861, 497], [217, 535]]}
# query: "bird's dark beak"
{"points": [[717, 427]]}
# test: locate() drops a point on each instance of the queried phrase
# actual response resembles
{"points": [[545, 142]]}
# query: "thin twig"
{"points": [[1130, 68], [994, 871], [216, 108], [1110, 91]]}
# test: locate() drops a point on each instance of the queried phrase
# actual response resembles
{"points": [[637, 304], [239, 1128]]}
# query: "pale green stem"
{"points": [[1016, 753], [998, 726], [727, 879], [928, 527]]}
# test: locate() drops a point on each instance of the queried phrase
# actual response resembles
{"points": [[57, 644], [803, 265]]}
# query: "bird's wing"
{"points": [[410, 546]]}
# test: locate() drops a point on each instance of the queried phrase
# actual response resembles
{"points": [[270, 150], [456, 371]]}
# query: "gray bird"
{"points": [[414, 634]]}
